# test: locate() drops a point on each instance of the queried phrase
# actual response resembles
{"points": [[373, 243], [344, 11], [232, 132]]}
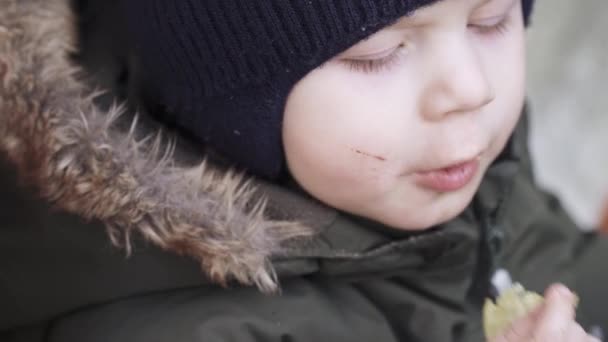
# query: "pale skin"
{"points": [[439, 87]]}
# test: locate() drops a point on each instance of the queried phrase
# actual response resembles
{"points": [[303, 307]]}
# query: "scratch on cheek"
{"points": [[3, 70], [380, 158]]}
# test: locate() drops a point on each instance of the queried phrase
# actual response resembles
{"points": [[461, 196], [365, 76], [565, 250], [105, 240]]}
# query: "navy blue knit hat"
{"points": [[221, 70]]}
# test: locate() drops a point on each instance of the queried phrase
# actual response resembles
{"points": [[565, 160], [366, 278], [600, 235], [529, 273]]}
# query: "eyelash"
{"points": [[387, 62], [498, 29], [376, 65]]}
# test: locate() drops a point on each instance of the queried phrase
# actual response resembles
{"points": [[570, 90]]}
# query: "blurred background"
{"points": [[567, 83]]}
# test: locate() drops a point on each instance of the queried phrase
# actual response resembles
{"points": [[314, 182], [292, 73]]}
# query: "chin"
{"points": [[419, 221], [441, 208]]}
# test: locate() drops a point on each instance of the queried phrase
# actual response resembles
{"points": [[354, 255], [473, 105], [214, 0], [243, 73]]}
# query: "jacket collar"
{"points": [[110, 166]]}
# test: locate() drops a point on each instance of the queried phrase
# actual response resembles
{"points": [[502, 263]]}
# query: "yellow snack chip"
{"points": [[511, 305]]}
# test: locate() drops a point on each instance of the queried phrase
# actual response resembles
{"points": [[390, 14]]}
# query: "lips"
{"points": [[450, 178]]}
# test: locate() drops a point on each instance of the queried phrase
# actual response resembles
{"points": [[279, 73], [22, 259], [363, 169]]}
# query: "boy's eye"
{"points": [[488, 27], [370, 65], [492, 26]]}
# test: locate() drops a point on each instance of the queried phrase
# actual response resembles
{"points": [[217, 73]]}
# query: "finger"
{"points": [[557, 314]]}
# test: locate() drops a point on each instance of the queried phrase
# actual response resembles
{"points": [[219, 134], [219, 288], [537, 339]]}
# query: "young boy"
{"points": [[390, 177]]}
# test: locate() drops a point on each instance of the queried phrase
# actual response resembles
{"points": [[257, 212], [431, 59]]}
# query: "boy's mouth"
{"points": [[450, 178]]}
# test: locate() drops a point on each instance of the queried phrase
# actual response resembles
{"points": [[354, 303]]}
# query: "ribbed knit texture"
{"points": [[222, 69]]}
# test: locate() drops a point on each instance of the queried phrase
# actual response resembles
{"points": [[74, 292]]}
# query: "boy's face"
{"points": [[401, 127]]}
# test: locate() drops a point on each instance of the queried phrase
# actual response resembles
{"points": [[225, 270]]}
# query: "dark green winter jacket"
{"points": [[200, 258]]}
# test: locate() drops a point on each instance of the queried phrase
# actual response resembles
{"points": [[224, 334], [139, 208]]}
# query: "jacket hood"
{"points": [[107, 166]]}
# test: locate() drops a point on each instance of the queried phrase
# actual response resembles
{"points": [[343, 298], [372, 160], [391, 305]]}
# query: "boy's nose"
{"points": [[457, 82]]}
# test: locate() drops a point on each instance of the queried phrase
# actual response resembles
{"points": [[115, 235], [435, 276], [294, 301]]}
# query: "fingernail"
{"points": [[562, 291]]}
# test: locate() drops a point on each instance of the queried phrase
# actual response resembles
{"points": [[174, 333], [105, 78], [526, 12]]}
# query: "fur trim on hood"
{"points": [[83, 161]]}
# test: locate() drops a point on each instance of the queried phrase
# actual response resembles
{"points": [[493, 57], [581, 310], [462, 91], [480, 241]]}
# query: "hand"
{"points": [[554, 321]]}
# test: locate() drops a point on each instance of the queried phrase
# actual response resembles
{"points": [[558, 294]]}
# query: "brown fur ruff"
{"points": [[79, 159]]}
